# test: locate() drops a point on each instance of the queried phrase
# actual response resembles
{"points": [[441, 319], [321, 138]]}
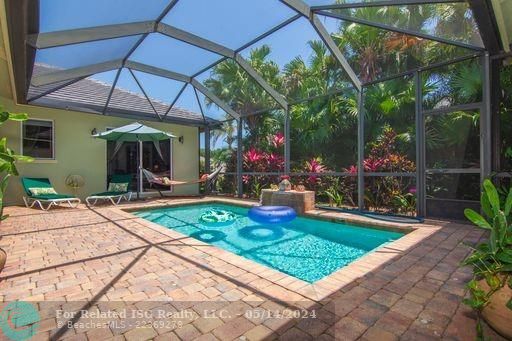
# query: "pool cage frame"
{"points": [[26, 40]]}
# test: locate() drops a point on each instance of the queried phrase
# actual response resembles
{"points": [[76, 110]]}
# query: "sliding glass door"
{"points": [[156, 157]]}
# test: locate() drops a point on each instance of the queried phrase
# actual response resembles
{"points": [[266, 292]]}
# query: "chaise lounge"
{"points": [[40, 190], [116, 191]]}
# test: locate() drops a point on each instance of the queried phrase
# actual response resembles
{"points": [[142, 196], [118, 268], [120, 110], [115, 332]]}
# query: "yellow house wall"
{"points": [[76, 152]]}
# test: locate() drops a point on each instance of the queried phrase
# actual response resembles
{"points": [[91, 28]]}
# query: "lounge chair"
{"points": [[158, 182], [40, 190], [116, 191]]}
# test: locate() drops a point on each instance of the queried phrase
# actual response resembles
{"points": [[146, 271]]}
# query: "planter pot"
{"points": [[495, 313], [3, 258]]}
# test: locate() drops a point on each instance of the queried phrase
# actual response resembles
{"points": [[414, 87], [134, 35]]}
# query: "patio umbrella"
{"points": [[135, 132]]}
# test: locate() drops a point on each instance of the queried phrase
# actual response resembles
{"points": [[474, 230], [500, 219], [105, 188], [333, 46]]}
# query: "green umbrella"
{"points": [[135, 132]]}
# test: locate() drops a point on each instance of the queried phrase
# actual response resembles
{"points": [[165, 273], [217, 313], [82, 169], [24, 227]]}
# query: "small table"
{"points": [[300, 201]]}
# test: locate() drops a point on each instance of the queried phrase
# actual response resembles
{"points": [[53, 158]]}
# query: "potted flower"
{"points": [[491, 287], [285, 184]]}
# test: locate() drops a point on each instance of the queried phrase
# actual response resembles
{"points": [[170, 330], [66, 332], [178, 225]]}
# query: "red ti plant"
{"points": [[253, 156], [255, 160], [277, 140], [275, 162], [314, 166], [268, 158]]}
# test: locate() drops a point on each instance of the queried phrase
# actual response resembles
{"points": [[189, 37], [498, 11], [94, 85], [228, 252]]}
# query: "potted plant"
{"points": [[7, 168], [491, 287]]}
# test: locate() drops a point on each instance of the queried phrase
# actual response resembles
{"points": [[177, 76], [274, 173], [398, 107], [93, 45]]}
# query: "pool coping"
{"points": [[316, 291]]}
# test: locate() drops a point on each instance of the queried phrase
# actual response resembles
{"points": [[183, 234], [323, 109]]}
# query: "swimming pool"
{"points": [[308, 249]]}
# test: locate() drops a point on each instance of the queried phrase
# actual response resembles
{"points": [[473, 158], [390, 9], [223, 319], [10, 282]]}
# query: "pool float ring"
{"points": [[272, 214], [217, 217], [262, 233], [208, 236]]}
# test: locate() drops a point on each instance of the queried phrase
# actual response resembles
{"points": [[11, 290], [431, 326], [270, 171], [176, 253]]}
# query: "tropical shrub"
{"points": [[491, 260], [388, 193], [267, 159], [8, 158]]}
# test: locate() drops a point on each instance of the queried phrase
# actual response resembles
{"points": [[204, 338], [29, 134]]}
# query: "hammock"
{"points": [[157, 180]]}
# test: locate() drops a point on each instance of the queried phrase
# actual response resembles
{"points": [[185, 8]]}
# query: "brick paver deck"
{"points": [[107, 260]]}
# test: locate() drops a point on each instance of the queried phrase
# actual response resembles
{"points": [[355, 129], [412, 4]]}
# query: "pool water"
{"points": [[308, 249]]}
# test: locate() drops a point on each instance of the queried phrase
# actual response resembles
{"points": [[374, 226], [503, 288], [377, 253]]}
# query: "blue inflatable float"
{"points": [[272, 214]]}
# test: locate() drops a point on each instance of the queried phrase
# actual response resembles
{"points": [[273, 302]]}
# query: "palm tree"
{"points": [[226, 132], [237, 88]]}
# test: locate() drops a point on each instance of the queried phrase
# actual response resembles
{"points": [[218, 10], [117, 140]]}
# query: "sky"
{"points": [[228, 22], [231, 23]]}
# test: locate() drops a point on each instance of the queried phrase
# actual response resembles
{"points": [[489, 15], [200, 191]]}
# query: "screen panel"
{"points": [[233, 85], [173, 55], [90, 93], [217, 20], [453, 140], [224, 146], [57, 15], [161, 91], [390, 127], [324, 132], [376, 53], [305, 65], [263, 142], [83, 54], [454, 84], [127, 95], [390, 194], [451, 21]]}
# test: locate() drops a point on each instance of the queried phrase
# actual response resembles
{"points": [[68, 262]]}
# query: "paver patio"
{"points": [[106, 259]]}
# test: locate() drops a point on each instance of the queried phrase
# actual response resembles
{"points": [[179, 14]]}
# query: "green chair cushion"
{"points": [[35, 183], [121, 178]]}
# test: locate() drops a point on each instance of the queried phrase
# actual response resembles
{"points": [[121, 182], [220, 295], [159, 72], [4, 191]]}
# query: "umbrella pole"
{"points": [[139, 168]]}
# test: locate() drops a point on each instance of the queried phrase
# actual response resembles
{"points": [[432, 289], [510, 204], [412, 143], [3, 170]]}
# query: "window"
{"points": [[38, 139]]}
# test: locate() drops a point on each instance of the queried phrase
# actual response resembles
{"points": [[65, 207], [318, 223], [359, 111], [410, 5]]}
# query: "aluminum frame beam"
{"points": [[383, 3], [111, 92], [158, 71], [239, 158], [360, 150], [486, 121], [486, 22], [399, 30], [83, 71], [83, 35], [421, 203], [192, 39], [305, 10]]}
